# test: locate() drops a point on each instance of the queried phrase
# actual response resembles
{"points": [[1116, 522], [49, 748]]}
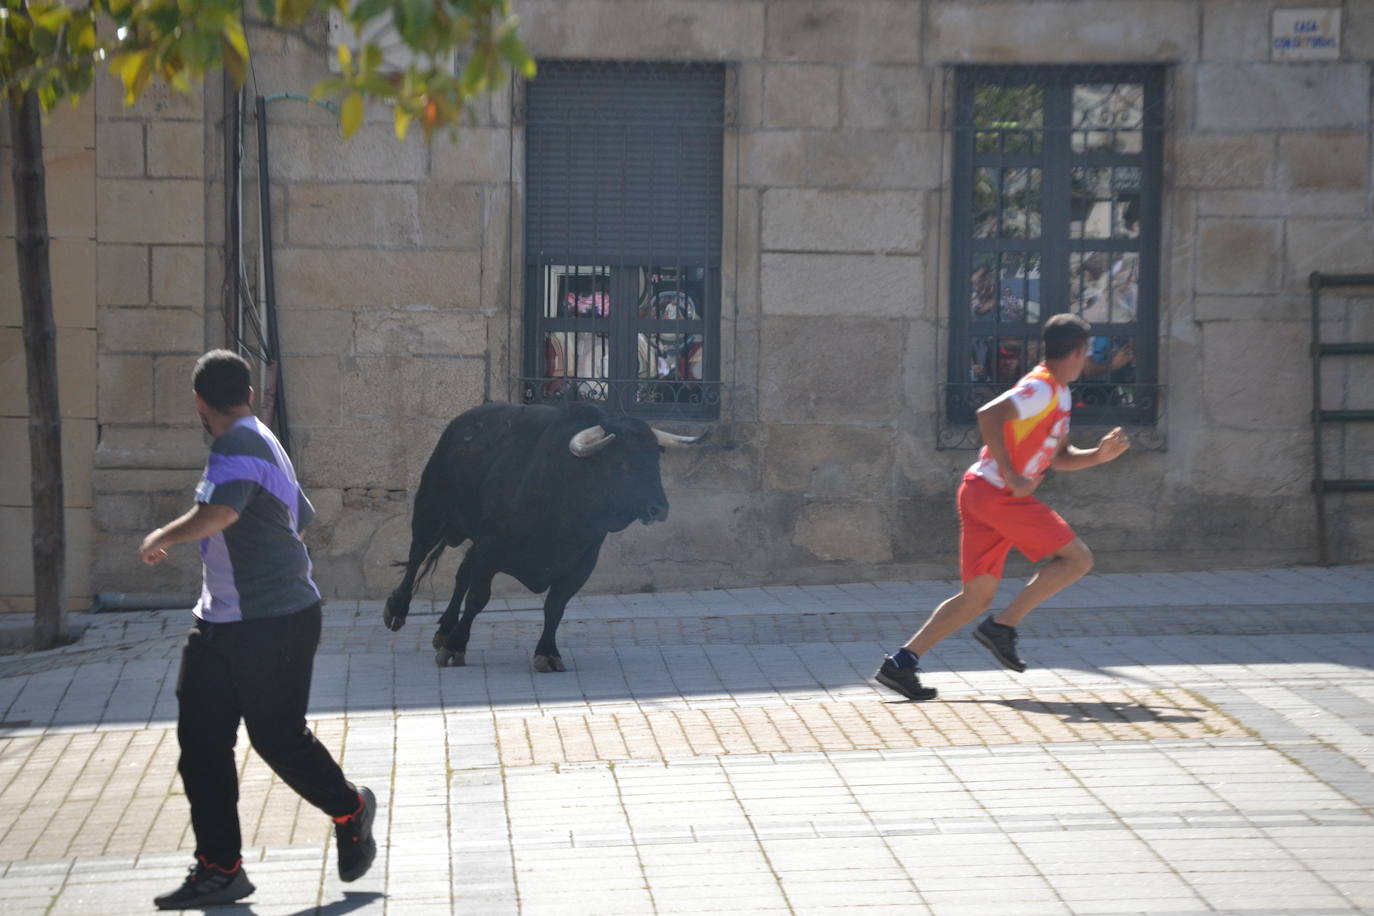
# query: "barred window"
{"points": [[623, 168], [1056, 208]]}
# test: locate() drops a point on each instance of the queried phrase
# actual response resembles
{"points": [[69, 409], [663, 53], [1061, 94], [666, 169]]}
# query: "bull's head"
{"points": [[628, 449]]}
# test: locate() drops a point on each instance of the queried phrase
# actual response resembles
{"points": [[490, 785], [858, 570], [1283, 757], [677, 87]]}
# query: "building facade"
{"points": [[823, 229]]}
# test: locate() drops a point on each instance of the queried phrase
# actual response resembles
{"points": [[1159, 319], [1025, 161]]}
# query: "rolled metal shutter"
{"points": [[623, 163]]}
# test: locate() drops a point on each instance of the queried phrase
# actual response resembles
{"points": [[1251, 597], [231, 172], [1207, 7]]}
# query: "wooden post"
{"points": [[40, 350]]}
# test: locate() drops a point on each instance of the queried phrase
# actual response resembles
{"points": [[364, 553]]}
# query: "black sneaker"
{"points": [[1000, 640], [357, 848], [207, 885], [905, 681]]}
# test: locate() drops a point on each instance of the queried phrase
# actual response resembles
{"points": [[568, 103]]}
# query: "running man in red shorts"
{"points": [[1025, 433]]}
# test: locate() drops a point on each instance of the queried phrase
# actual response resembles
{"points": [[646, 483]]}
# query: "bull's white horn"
{"points": [[590, 441], [669, 440]]}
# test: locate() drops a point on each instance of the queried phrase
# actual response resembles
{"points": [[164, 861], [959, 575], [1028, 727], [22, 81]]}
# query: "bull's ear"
{"points": [[669, 440], [590, 441]]}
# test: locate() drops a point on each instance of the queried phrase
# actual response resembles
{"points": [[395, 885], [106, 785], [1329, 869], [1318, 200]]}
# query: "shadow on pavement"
{"points": [[353, 900], [1097, 712]]}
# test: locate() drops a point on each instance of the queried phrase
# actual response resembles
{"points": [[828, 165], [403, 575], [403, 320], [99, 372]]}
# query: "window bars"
{"points": [[1056, 208]]}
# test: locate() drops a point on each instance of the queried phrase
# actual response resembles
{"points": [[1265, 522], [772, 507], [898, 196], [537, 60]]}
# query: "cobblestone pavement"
{"points": [[1183, 743]]}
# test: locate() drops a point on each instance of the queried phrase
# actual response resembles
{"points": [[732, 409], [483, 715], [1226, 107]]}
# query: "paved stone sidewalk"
{"points": [[1191, 743]]}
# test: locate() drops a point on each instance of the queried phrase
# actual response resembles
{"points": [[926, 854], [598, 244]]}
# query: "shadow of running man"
{"points": [[353, 900], [1097, 711]]}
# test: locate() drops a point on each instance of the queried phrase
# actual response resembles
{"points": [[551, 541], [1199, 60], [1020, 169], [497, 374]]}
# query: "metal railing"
{"points": [[1321, 485]]}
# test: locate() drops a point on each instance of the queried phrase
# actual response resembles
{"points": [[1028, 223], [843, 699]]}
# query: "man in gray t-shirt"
{"points": [[250, 654], [257, 567]]}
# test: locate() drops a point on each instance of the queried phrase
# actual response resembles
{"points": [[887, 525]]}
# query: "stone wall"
{"points": [[155, 231], [395, 291]]}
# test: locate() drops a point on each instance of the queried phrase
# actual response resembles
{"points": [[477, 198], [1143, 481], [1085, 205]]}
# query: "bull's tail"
{"points": [[427, 541], [427, 566], [426, 544]]}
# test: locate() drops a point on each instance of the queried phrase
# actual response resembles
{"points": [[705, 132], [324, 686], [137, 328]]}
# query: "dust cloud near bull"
{"points": [[536, 489]]}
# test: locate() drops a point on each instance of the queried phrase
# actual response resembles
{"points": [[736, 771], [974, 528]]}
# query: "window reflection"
{"points": [[1105, 203], [572, 360], [1005, 287], [577, 292], [1002, 360], [1108, 117], [1009, 118], [1104, 286], [1020, 203], [1109, 375]]}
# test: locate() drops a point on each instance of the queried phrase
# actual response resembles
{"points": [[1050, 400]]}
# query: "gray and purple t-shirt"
{"points": [[257, 567]]}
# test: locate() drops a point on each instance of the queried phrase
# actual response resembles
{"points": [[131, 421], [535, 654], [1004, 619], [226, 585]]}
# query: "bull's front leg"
{"points": [[546, 657]]}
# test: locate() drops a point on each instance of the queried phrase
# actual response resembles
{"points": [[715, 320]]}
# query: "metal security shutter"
{"points": [[623, 163]]}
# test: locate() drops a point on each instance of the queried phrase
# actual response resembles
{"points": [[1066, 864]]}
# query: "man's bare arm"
{"points": [[1072, 458], [201, 521]]}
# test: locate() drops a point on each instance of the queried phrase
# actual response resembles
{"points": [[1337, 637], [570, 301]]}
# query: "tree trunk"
{"points": [[40, 349]]}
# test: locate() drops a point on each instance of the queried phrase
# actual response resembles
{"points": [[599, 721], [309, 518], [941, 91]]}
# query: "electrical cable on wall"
{"points": [[251, 326]]}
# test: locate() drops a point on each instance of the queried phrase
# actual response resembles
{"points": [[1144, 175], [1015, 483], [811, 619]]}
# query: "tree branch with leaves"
{"points": [[53, 48]]}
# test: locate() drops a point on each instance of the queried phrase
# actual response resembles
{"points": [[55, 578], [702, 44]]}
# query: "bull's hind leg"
{"points": [[476, 581], [445, 656], [546, 657]]}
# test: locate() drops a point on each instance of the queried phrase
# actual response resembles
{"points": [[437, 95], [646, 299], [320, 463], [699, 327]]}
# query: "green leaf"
{"points": [[82, 39], [515, 53], [403, 119], [292, 12], [368, 9], [474, 74], [326, 88], [234, 63], [345, 58], [49, 19], [416, 17], [378, 85], [462, 30], [234, 39], [134, 68], [351, 114]]}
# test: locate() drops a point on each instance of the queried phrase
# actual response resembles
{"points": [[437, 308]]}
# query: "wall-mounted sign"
{"points": [[1313, 34]]}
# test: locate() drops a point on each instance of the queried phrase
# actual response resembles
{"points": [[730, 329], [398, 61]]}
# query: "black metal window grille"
{"points": [[623, 207], [1056, 207]]}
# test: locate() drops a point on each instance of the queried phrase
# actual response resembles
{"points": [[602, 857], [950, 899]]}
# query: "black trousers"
{"points": [[258, 671]]}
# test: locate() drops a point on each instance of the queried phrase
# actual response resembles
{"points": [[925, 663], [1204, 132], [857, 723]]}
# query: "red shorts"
{"points": [[992, 522]]}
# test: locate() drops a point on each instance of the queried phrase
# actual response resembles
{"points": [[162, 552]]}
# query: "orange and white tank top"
{"points": [[1043, 405]]}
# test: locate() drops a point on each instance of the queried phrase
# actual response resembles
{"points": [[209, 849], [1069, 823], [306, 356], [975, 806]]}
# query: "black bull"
{"points": [[536, 489]]}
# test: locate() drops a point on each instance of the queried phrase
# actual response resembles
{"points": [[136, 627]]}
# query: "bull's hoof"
{"points": [[446, 658], [393, 621], [438, 641], [548, 663]]}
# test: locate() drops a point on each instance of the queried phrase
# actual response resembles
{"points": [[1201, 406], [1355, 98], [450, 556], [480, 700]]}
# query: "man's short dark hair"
{"points": [[1063, 334], [223, 379]]}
